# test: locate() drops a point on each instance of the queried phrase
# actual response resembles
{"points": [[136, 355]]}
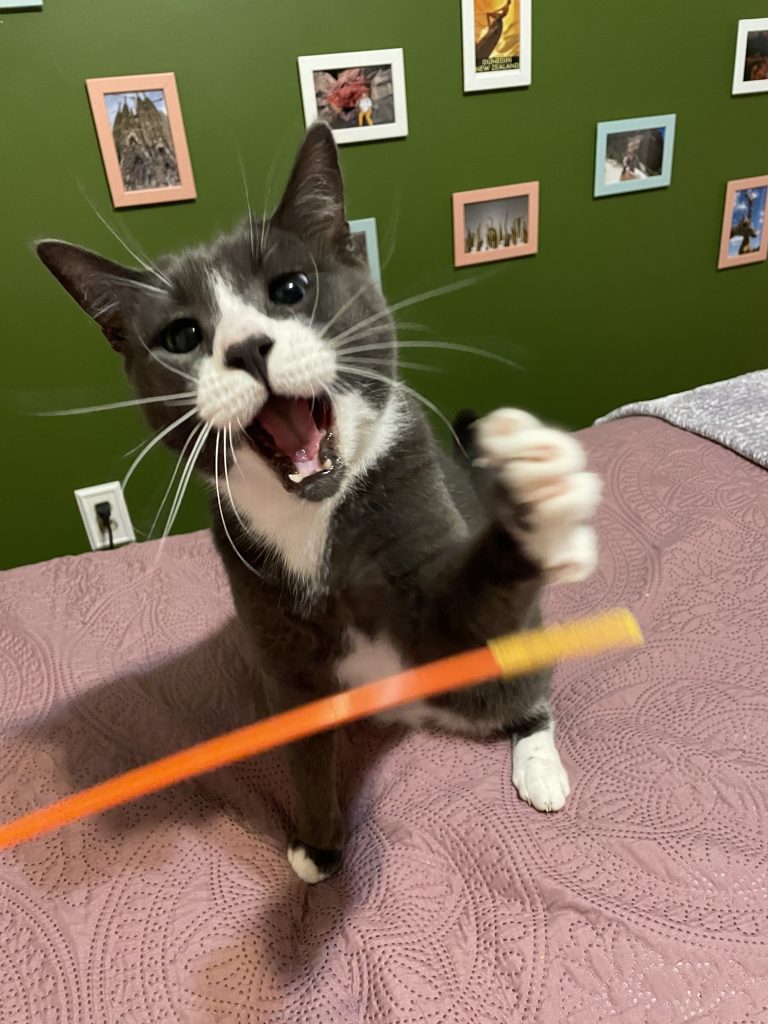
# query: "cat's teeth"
{"points": [[295, 477], [327, 464]]}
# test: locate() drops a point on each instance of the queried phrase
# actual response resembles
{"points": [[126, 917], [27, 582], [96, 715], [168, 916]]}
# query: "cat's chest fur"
{"points": [[296, 530], [368, 660], [371, 659]]}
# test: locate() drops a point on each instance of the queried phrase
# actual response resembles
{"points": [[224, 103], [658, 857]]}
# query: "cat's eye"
{"points": [[288, 289], [181, 335]]}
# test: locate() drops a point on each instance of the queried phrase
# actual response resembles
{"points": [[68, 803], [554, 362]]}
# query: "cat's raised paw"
{"points": [[311, 864], [552, 497]]}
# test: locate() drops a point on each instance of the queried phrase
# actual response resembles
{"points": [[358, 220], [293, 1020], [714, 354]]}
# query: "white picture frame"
{"points": [[505, 77], [352, 123], [366, 229], [741, 83]]}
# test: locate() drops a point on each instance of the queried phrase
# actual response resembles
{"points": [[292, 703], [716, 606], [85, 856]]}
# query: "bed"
{"points": [[645, 901]]}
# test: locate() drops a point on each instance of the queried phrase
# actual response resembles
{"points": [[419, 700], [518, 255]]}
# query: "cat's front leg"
{"points": [[316, 841], [538, 774], [316, 846], [546, 500]]}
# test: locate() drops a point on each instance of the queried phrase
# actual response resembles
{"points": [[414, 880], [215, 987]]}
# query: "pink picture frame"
{"points": [[744, 226], [491, 224], [142, 140]]}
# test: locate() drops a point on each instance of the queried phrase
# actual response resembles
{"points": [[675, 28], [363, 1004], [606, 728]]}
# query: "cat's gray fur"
{"points": [[410, 550]]}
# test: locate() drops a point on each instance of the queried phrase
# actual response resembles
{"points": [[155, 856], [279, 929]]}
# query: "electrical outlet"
{"points": [[122, 529]]}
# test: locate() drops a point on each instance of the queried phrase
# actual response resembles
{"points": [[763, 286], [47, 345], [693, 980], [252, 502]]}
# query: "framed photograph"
{"points": [[366, 240], [634, 154], [141, 135], [496, 38], [21, 5], [492, 224], [361, 95], [744, 238], [750, 69]]}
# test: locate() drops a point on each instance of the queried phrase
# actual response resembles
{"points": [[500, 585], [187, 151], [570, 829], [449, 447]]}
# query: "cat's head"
{"points": [[275, 334]]}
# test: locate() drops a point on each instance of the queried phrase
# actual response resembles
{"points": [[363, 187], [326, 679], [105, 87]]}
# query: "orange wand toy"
{"points": [[508, 656]]}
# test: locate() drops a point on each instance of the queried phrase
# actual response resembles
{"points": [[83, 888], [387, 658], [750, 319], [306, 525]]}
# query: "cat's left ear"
{"points": [[313, 202], [105, 290]]}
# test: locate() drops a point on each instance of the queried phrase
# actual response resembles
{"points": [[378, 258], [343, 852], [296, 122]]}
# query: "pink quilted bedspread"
{"points": [[645, 901]]}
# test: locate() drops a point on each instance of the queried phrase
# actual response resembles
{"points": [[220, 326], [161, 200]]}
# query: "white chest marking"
{"points": [[295, 528], [368, 661]]}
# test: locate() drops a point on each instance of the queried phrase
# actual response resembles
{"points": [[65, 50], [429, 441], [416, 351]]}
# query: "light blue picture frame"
{"points": [[21, 5], [605, 128], [367, 227]]}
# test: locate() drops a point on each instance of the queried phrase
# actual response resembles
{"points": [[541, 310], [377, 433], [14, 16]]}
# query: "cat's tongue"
{"points": [[292, 427]]}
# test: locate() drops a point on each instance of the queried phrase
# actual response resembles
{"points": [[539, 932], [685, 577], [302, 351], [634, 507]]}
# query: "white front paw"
{"points": [[543, 783], [543, 472], [538, 773]]}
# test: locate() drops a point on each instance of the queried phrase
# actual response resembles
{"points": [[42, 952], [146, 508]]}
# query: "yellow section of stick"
{"points": [[517, 654]]}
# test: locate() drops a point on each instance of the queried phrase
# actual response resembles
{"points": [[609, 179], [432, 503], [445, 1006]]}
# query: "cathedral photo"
{"points": [[142, 138]]}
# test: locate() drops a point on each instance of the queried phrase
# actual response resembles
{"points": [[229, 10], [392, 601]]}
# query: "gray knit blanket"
{"points": [[732, 412]]}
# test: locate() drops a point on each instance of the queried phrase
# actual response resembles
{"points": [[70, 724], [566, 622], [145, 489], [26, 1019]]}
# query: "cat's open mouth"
{"points": [[295, 436]]}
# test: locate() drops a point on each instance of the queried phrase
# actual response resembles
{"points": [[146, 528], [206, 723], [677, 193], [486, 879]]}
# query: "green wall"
{"points": [[622, 302]]}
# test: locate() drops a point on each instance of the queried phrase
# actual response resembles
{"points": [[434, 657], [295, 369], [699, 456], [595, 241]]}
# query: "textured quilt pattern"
{"points": [[644, 902]]}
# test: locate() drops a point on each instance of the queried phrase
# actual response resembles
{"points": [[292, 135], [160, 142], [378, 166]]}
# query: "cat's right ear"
{"points": [[103, 288], [312, 205]]}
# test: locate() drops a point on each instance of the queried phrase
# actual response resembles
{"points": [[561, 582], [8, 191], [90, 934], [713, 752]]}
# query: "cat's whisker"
{"points": [[232, 447], [391, 244], [376, 331], [195, 430], [142, 285], [405, 365], [344, 307], [145, 262], [373, 375], [223, 438], [110, 307], [174, 369], [132, 451], [118, 405], [453, 346], [447, 346], [266, 222], [247, 202], [440, 415], [234, 547], [151, 444], [317, 290], [406, 325], [425, 367], [183, 484], [433, 293]]}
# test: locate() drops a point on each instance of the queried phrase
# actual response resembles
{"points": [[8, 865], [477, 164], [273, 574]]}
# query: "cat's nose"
{"points": [[251, 355]]}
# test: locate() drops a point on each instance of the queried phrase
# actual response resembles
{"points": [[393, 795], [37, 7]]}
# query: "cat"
{"points": [[353, 544]]}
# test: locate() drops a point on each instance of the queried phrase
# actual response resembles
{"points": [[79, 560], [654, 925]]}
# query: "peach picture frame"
{"points": [[725, 260], [483, 195], [98, 88]]}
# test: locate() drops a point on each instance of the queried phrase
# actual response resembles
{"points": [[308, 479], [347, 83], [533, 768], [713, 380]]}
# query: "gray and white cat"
{"points": [[354, 546]]}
